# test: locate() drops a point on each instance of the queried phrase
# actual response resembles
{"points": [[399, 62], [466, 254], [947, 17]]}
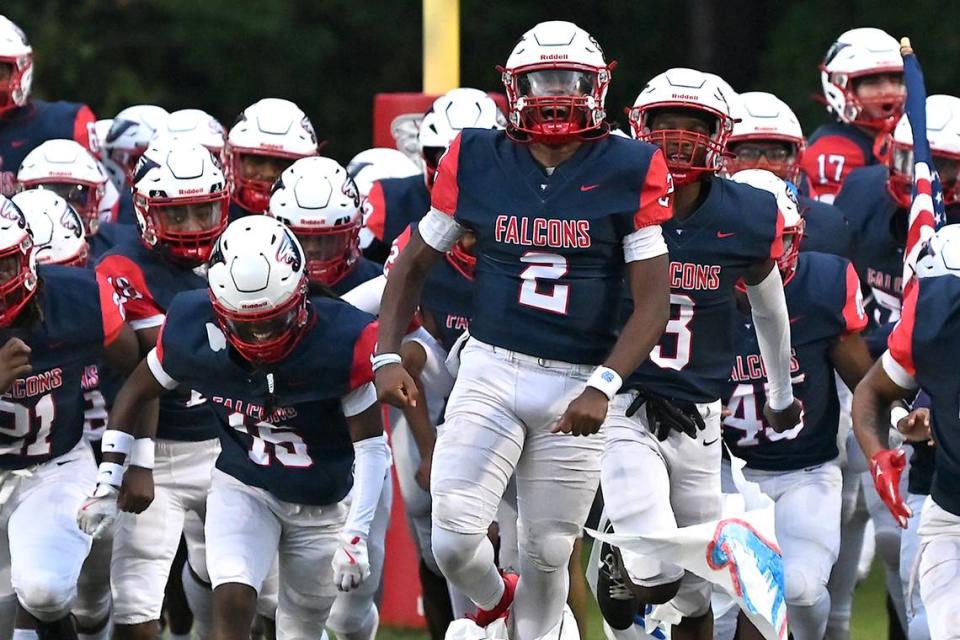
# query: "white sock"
{"points": [[200, 599], [25, 634]]}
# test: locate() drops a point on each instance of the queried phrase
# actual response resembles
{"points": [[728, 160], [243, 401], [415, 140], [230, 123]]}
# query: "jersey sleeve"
{"points": [[361, 371], [776, 245], [111, 311], [854, 315], [84, 130], [828, 162], [656, 194], [376, 221], [399, 244], [130, 285], [157, 362], [898, 360], [446, 189]]}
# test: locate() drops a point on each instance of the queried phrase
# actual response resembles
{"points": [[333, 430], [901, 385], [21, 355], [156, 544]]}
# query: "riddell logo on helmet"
{"points": [[554, 56], [253, 305], [684, 96], [191, 192]]}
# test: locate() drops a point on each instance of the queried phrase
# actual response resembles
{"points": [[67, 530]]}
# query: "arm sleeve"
{"points": [[769, 309], [111, 311], [854, 315], [358, 400], [656, 194], [370, 466], [439, 230]]}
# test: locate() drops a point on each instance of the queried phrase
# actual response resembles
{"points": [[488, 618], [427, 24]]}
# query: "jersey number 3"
{"points": [[544, 267], [678, 328]]}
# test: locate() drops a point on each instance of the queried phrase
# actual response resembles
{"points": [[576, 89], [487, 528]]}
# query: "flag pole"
{"points": [[441, 46]]}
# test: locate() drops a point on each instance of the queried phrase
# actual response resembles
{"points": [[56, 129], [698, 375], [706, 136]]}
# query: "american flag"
{"points": [[927, 211]]}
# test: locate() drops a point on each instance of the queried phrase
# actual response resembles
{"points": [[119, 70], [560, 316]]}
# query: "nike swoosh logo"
{"points": [[707, 444], [588, 187], [721, 234], [17, 143], [797, 319]]}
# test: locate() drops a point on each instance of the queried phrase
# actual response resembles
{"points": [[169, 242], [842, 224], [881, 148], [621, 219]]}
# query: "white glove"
{"points": [[98, 512], [351, 566]]}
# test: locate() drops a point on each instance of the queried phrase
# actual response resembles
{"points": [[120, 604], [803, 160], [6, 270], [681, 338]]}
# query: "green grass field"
{"points": [[869, 615]]}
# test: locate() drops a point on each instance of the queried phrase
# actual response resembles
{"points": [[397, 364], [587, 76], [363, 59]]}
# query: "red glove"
{"points": [[886, 468]]}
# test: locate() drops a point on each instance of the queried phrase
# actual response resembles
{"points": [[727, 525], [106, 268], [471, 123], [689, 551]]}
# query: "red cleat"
{"points": [[483, 617]]}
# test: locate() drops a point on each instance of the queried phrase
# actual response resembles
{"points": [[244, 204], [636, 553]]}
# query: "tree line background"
{"points": [[332, 56]]}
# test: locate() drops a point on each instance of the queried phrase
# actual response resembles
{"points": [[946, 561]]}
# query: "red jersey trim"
{"points": [[377, 221], [776, 247], [83, 128], [111, 311], [446, 191], [900, 342], [854, 316], [399, 244], [838, 153], [129, 283], [362, 370], [656, 195]]}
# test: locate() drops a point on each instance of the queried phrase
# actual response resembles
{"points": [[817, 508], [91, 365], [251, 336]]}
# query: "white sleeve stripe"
{"points": [[644, 243], [358, 400], [153, 362], [147, 323], [439, 230], [897, 373]]}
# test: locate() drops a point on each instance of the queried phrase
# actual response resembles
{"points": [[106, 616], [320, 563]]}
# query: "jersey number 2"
{"points": [[272, 442], [36, 420], [544, 267]]}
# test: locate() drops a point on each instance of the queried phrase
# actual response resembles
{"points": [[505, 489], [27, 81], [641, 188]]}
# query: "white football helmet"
{"points": [[943, 134], [379, 163], [101, 129], [68, 169], [56, 228], [556, 80], [18, 262], [274, 133], [318, 200], [15, 51], [195, 125], [940, 255], [855, 54], [130, 135], [793, 223], [180, 199], [451, 113], [258, 287], [763, 117], [687, 91]]}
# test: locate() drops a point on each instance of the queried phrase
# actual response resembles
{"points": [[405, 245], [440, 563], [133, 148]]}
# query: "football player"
{"points": [[395, 203], [794, 467], [128, 138], [268, 137], [25, 122], [562, 212], [181, 199], [290, 377], [317, 200], [767, 135], [61, 319], [371, 165], [195, 125], [921, 348], [721, 231], [862, 80]]}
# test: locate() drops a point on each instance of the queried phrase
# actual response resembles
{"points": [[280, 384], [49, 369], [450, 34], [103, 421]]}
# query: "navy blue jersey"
{"points": [[878, 226], [25, 128], [825, 228], [735, 227], [41, 416], [926, 343], [396, 203], [833, 152], [294, 442], [362, 271], [125, 213], [549, 248], [110, 234], [147, 283], [825, 304], [237, 211]]}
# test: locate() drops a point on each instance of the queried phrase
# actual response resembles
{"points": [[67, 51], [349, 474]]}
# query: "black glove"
{"points": [[667, 414]]}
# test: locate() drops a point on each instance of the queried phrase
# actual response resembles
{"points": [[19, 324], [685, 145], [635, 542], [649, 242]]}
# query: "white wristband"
{"points": [[383, 359], [606, 381], [141, 455], [897, 413], [110, 473], [116, 441]]}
